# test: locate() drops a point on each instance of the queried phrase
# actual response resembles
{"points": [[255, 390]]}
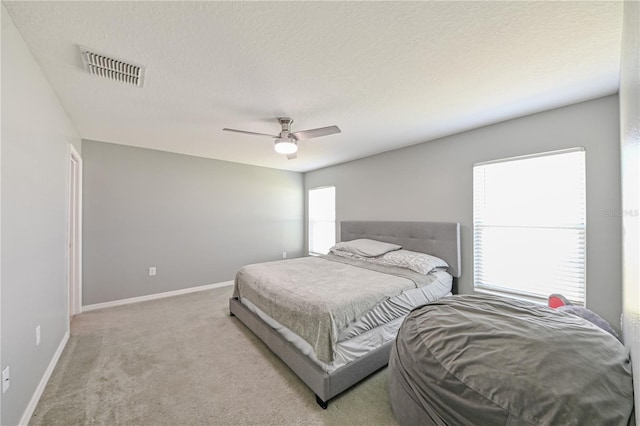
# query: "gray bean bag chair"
{"points": [[484, 360]]}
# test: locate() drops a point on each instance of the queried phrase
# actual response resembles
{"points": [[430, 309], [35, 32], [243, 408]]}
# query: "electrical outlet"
{"points": [[152, 271], [284, 254], [38, 335], [5, 379]]}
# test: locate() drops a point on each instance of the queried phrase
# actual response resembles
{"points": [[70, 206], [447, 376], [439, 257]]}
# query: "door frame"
{"points": [[74, 234]]}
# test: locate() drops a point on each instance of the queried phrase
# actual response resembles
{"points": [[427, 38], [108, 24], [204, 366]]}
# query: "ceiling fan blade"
{"points": [[250, 133], [315, 133], [292, 156]]}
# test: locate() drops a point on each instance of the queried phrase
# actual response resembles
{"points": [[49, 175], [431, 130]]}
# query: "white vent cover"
{"points": [[113, 69]]}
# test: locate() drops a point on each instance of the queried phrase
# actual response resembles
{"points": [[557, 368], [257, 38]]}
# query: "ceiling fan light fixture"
{"points": [[285, 146]]}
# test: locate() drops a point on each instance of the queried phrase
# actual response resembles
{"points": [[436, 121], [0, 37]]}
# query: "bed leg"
{"points": [[323, 404], [231, 314]]}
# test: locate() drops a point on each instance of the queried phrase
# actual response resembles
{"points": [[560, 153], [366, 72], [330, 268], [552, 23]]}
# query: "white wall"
{"points": [[36, 134], [630, 155], [433, 182]]}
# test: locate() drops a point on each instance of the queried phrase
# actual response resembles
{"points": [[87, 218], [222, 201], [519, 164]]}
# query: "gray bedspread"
{"points": [[316, 297]]}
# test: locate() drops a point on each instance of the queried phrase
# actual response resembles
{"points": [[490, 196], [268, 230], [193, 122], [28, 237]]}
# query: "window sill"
{"points": [[537, 300]]}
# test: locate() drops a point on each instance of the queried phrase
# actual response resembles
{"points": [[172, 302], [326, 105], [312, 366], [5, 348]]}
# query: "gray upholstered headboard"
{"points": [[440, 239]]}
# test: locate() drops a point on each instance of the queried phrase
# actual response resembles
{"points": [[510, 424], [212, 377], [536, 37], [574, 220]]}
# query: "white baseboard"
{"points": [[28, 412], [155, 296]]}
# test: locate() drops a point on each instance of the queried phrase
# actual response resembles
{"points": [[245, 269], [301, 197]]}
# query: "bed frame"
{"points": [[441, 239]]}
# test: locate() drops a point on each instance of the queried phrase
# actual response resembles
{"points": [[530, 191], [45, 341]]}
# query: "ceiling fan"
{"points": [[287, 142]]}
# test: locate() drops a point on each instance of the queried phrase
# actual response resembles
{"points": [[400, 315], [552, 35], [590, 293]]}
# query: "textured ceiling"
{"points": [[390, 74]]}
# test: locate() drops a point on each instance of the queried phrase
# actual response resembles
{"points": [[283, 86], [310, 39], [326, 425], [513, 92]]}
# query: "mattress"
{"points": [[439, 285], [372, 330]]}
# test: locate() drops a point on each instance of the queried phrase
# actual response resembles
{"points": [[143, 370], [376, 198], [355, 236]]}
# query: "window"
{"points": [[322, 219], [529, 225]]}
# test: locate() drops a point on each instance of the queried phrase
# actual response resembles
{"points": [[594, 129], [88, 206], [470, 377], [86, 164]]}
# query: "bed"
{"points": [[329, 357]]}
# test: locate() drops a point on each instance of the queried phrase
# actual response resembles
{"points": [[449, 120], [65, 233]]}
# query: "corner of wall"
{"points": [[630, 166]]}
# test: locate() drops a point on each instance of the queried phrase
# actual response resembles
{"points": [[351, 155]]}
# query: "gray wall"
{"points": [[433, 181], [36, 133], [196, 220], [630, 154]]}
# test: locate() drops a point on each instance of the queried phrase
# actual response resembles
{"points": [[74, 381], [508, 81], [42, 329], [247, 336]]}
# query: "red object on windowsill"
{"points": [[557, 300]]}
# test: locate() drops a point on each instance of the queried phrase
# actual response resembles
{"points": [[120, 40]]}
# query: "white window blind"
{"points": [[529, 225], [322, 219]]}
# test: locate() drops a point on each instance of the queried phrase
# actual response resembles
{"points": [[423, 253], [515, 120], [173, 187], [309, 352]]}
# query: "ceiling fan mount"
{"points": [[286, 123], [286, 141]]}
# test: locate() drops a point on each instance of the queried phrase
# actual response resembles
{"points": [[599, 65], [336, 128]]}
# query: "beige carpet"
{"points": [[184, 361]]}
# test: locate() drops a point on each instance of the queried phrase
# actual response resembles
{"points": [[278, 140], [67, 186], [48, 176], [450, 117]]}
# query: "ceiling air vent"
{"points": [[113, 69]]}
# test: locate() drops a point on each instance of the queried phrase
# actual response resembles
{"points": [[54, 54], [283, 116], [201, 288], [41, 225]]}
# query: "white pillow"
{"points": [[365, 247], [418, 262], [348, 255]]}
